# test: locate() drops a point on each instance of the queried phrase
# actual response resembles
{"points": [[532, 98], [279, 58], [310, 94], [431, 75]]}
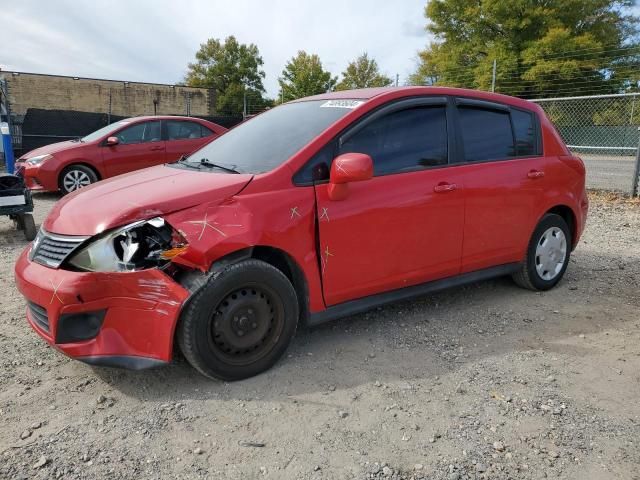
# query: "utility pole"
{"points": [[244, 104], [635, 185], [397, 79], [493, 77]]}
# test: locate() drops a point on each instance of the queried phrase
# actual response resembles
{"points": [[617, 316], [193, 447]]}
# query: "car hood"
{"points": [[138, 196], [51, 149]]}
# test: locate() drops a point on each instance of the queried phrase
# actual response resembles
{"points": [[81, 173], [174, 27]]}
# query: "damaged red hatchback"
{"points": [[316, 209]]}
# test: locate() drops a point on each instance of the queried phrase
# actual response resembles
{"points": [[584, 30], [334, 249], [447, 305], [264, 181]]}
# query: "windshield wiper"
{"points": [[183, 161], [207, 163]]}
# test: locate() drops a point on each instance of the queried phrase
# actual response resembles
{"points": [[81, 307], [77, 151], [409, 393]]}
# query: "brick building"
{"points": [[51, 108], [120, 98]]}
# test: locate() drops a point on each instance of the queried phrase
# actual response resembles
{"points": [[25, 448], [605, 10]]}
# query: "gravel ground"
{"points": [[487, 381]]}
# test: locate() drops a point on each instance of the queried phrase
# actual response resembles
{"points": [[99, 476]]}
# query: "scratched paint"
{"points": [[295, 213], [325, 258], [55, 291], [212, 224]]}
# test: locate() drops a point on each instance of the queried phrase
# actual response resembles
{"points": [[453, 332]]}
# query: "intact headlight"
{"points": [[38, 160], [140, 245]]}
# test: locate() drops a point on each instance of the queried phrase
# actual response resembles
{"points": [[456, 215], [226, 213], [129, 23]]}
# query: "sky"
{"points": [[153, 41]]}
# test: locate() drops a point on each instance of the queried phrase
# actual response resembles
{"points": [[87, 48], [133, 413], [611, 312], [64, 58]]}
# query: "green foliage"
{"points": [[363, 72], [302, 76], [229, 68], [542, 47]]}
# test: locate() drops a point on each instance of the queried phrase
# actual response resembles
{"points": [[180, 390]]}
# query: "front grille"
{"points": [[51, 250], [39, 316]]}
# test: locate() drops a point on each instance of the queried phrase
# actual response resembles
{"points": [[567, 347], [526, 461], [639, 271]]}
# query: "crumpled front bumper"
{"points": [[130, 317]]}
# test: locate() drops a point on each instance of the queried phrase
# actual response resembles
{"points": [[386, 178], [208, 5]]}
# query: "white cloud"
{"points": [[154, 40]]}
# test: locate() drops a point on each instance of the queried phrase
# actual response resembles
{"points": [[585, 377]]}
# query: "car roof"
{"points": [[161, 117], [398, 92]]}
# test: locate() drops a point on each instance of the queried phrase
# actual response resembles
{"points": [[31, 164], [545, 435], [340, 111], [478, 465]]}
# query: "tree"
{"points": [[542, 47], [302, 76], [231, 69], [363, 72]]}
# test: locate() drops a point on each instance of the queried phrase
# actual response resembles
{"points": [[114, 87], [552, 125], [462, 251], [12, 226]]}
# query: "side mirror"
{"points": [[347, 168], [111, 141]]}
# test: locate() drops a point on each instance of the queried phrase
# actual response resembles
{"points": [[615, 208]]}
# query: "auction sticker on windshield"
{"points": [[342, 103]]}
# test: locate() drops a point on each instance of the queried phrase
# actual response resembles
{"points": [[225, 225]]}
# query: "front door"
{"points": [[140, 146], [404, 226]]}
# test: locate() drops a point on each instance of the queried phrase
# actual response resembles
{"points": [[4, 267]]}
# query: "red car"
{"points": [[118, 148], [316, 209]]}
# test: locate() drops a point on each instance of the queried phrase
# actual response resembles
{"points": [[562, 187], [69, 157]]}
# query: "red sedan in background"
{"points": [[121, 147]]}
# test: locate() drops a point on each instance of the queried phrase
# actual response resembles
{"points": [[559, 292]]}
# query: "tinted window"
{"points": [[271, 138], [181, 130], [525, 133], [486, 134], [140, 133], [205, 131], [403, 141]]}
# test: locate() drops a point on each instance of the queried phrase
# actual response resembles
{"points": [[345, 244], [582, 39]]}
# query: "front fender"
{"points": [[281, 219]]}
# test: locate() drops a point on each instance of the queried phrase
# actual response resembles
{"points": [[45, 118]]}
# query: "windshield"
{"points": [[271, 138], [104, 131]]}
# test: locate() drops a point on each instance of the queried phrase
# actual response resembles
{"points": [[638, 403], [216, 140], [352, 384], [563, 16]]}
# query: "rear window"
{"points": [[486, 134], [525, 133]]}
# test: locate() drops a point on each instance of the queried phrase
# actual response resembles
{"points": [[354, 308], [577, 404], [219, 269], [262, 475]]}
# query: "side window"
{"points": [[525, 133], [140, 133], [183, 130], [205, 132], [403, 141], [317, 169], [486, 134]]}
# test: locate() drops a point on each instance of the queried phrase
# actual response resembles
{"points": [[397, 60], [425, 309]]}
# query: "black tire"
{"points": [[83, 173], [29, 226], [17, 221], [528, 276], [240, 323]]}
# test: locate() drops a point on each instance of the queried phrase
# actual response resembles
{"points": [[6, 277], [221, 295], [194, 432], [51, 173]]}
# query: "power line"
{"points": [[523, 63]]}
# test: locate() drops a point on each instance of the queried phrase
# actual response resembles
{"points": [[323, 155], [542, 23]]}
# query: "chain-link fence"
{"points": [[603, 131]]}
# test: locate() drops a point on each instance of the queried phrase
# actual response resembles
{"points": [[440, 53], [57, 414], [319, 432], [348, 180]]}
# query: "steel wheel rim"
{"points": [[246, 325], [75, 179], [551, 253]]}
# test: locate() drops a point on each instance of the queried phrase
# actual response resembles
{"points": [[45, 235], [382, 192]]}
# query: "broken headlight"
{"points": [[140, 245]]}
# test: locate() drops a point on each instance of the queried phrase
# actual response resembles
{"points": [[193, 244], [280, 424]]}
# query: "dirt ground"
{"points": [[488, 381]]}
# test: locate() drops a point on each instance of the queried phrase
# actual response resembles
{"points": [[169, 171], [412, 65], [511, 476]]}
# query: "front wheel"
{"points": [[547, 255], [240, 323], [75, 177]]}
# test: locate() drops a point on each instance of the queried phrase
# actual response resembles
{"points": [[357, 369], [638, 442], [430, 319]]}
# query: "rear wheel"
{"points": [[547, 255], [240, 323], [74, 177]]}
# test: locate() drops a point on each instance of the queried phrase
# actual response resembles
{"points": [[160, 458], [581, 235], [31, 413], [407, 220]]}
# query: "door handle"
{"points": [[156, 148], [535, 174], [445, 187]]}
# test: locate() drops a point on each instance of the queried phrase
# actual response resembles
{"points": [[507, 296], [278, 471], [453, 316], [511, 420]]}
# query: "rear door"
{"points": [[503, 172], [184, 137], [140, 146], [402, 227]]}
